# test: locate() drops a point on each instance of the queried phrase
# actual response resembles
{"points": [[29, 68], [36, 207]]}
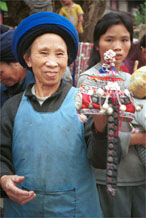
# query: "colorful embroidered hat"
{"points": [[44, 22], [103, 90]]}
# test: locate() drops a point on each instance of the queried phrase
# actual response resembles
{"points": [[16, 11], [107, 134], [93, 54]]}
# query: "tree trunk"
{"points": [[93, 11], [17, 10]]}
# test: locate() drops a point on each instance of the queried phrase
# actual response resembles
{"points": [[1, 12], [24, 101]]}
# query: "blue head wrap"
{"points": [[44, 22], [6, 51]]}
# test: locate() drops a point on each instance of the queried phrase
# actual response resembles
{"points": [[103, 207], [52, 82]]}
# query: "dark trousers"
{"points": [[129, 201]]}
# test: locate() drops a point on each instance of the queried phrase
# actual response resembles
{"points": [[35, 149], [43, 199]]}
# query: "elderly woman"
{"points": [[44, 146]]}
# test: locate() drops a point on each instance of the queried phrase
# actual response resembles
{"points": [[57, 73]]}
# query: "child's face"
{"points": [[116, 38], [66, 2]]}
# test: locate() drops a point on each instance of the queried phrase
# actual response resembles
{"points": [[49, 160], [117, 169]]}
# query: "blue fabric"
{"points": [[50, 151], [40, 23], [106, 70], [3, 28], [7, 92], [6, 51]]}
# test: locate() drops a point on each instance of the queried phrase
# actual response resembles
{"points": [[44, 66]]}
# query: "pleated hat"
{"points": [[44, 22], [6, 51]]}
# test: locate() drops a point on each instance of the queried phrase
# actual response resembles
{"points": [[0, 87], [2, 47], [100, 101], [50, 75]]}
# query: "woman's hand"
{"points": [[8, 183], [138, 139], [100, 122]]}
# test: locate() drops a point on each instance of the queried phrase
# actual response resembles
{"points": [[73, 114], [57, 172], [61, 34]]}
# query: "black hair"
{"points": [[109, 19], [142, 42]]}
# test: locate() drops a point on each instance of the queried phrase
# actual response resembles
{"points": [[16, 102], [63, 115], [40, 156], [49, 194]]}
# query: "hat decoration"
{"points": [[104, 93]]}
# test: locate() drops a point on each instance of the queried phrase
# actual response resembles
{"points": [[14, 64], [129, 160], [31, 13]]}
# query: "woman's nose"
{"points": [[51, 62], [117, 46]]}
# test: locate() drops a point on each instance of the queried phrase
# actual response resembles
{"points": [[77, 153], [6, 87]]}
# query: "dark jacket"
{"points": [[7, 92]]}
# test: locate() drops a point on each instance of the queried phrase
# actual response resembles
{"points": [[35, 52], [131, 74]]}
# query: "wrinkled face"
{"points": [[116, 38], [10, 73], [48, 60]]}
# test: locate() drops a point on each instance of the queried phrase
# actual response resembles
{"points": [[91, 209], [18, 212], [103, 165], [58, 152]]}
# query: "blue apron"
{"points": [[49, 150]]}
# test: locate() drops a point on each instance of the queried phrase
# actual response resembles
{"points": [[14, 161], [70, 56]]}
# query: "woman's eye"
{"points": [[43, 52], [59, 53], [125, 40], [109, 40]]}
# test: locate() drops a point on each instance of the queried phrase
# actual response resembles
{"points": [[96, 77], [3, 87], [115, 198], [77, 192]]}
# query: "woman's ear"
{"points": [[96, 48], [27, 60]]}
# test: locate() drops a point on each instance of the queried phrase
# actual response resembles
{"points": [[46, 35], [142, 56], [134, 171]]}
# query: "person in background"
{"points": [[45, 158], [14, 78], [74, 13], [115, 31], [4, 28], [68, 76], [138, 87], [39, 5], [137, 52]]}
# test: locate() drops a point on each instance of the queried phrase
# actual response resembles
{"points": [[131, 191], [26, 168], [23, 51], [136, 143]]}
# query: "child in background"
{"points": [[74, 13], [138, 87]]}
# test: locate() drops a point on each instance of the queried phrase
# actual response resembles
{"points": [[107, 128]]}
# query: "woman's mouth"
{"points": [[51, 74], [118, 56]]}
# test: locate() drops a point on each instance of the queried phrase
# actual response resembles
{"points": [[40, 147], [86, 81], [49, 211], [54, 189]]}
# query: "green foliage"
{"points": [[141, 14]]}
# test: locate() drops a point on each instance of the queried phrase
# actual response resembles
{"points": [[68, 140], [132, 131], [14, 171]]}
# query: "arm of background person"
{"points": [[80, 13], [80, 22], [138, 139], [140, 119], [129, 139]]}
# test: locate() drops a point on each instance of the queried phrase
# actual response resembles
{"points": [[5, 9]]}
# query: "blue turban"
{"points": [[44, 22], [6, 51]]}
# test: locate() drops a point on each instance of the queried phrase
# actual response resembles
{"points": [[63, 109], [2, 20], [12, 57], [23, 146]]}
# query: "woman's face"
{"points": [[116, 38], [11, 73], [48, 60]]}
